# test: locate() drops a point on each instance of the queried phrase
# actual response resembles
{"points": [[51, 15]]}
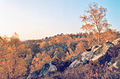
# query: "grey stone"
{"points": [[75, 57], [86, 56], [45, 69], [74, 63], [52, 67], [117, 64], [101, 52], [34, 74]]}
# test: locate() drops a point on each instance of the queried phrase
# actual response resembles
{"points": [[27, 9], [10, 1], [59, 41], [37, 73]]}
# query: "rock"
{"points": [[52, 67], [86, 56], [74, 63], [72, 58], [116, 42], [89, 49], [95, 48], [109, 43], [101, 53], [29, 76], [45, 69], [117, 64], [98, 53], [89, 54], [34, 74], [75, 57]]}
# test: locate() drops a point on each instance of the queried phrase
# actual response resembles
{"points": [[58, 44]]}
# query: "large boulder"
{"points": [[101, 53], [85, 56], [95, 48], [47, 67], [97, 53]]}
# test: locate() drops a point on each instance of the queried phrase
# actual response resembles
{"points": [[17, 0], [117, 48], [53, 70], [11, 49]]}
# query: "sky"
{"points": [[36, 19]]}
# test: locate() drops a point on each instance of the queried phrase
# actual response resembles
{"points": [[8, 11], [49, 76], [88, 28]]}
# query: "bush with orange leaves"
{"points": [[12, 53], [39, 60]]}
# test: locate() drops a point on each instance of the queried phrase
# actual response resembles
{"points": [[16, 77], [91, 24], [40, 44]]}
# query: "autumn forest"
{"points": [[65, 56]]}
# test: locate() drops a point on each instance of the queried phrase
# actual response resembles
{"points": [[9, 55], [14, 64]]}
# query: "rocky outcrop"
{"points": [[86, 56], [97, 53]]}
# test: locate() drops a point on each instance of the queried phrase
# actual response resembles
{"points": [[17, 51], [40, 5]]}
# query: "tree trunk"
{"points": [[98, 37]]}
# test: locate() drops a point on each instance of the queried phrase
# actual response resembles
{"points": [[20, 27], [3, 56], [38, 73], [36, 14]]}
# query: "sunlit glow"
{"points": [[35, 19]]}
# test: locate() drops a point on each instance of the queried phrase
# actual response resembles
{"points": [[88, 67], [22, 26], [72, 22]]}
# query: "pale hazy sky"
{"points": [[35, 19]]}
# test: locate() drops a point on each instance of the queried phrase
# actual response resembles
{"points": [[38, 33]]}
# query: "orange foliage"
{"points": [[39, 60], [94, 21], [13, 65]]}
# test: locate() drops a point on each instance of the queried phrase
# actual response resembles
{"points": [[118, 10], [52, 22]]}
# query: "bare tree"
{"points": [[94, 20]]}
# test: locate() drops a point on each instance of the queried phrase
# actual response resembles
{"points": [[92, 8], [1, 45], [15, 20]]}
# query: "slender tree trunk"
{"points": [[98, 37]]}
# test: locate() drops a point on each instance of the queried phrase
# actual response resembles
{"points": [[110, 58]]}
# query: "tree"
{"points": [[94, 20], [12, 63], [39, 60]]}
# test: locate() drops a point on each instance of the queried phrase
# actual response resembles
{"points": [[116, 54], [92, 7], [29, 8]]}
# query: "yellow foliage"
{"points": [[12, 65], [39, 60]]}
